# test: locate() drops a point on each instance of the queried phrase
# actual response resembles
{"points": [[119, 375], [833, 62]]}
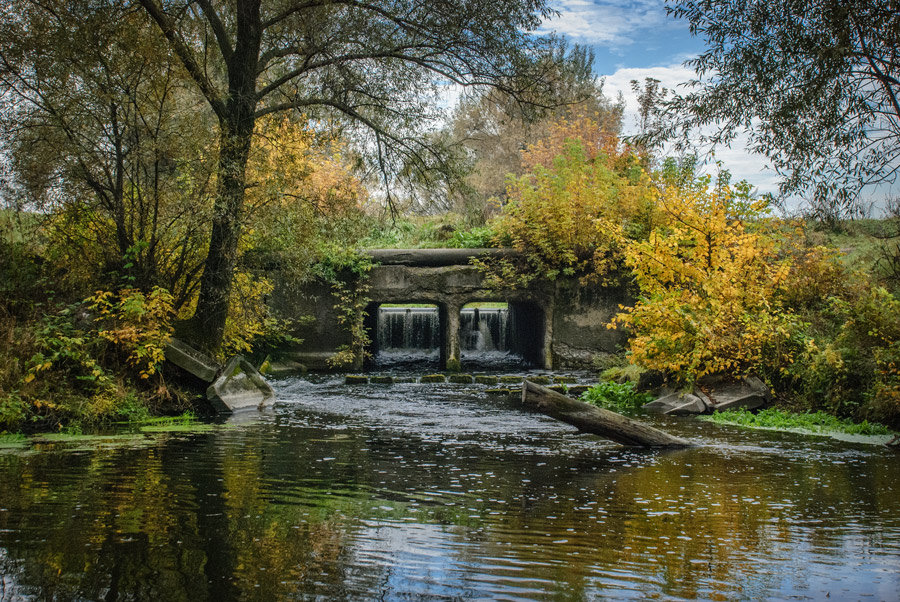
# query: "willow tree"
{"points": [[375, 66], [815, 84], [103, 140]]}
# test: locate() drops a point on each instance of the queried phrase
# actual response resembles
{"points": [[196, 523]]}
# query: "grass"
{"points": [[807, 422], [427, 232]]}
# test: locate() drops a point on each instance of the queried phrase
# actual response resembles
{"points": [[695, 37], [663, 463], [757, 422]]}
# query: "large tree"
{"points": [[102, 138], [494, 128], [375, 65], [814, 83]]}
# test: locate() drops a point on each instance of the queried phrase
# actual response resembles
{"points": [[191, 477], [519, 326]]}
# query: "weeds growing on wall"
{"points": [[347, 271]]}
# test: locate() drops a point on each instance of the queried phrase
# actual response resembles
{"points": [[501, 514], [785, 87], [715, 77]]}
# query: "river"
{"points": [[440, 492]]}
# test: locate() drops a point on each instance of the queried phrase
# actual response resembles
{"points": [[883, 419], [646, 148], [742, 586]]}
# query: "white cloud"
{"points": [[607, 22], [671, 77]]}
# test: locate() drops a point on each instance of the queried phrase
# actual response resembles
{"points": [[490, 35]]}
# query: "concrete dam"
{"points": [[431, 307]]}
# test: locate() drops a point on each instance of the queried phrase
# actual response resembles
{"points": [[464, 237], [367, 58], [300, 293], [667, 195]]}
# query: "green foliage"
{"points": [[138, 324], [86, 362], [618, 397], [810, 422], [849, 366], [346, 270], [474, 238], [444, 231], [815, 83]]}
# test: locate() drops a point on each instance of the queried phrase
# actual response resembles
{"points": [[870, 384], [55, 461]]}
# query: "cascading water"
{"points": [[484, 329], [485, 337], [408, 328], [408, 337]]}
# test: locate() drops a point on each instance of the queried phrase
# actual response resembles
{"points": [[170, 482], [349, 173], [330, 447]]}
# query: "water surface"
{"points": [[438, 492]]}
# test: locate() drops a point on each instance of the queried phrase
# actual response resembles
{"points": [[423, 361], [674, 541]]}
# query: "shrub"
{"points": [[709, 275], [569, 218], [138, 325], [618, 397]]}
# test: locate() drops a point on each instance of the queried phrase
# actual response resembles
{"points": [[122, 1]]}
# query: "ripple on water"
{"points": [[420, 491]]}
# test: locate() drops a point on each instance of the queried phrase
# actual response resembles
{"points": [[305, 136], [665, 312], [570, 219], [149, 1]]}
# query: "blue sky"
{"points": [[634, 39], [625, 34]]}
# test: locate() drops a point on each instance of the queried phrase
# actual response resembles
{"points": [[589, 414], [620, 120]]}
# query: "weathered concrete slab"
{"points": [[433, 257], [749, 393], [737, 401], [192, 361], [691, 404], [239, 387], [677, 404]]}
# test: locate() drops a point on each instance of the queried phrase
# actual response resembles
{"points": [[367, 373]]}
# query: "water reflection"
{"points": [[437, 492]]}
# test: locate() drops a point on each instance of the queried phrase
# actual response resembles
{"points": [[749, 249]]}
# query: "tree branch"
{"points": [[218, 28], [184, 55]]}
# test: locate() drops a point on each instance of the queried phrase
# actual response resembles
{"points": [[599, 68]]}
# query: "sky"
{"points": [[634, 39]]}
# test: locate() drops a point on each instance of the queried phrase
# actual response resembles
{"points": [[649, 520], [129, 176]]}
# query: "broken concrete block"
{"points": [[690, 404], [192, 361], [678, 404], [664, 403], [746, 401], [239, 387], [748, 394], [757, 385]]}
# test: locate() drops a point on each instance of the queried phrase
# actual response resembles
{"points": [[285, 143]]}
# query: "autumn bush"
{"points": [[720, 285], [709, 276], [568, 216]]}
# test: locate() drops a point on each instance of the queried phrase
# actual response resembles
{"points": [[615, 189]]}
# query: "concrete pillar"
{"points": [[547, 350], [450, 348]]}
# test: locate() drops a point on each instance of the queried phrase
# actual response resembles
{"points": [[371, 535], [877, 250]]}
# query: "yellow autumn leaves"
{"points": [[709, 275]]}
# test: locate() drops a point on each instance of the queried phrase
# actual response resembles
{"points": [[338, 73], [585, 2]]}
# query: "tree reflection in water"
{"points": [[450, 497]]}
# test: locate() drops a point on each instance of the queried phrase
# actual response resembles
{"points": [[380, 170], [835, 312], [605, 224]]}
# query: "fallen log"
{"points": [[591, 419]]}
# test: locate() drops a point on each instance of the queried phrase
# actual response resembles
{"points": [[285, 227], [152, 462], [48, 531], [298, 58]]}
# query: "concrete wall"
{"points": [[560, 325]]}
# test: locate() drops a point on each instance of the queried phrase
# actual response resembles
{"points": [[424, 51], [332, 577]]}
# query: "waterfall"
{"points": [[484, 329], [410, 337], [407, 328]]}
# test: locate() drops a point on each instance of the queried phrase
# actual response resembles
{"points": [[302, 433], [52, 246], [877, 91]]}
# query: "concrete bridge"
{"points": [[559, 324]]}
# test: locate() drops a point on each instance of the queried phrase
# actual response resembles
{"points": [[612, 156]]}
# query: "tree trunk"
{"points": [[208, 324], [591, 419], [236, 122]]}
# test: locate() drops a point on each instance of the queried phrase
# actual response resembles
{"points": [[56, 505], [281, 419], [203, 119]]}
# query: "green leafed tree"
{"points": [[814, 83], [104, 140], [375, 66]]}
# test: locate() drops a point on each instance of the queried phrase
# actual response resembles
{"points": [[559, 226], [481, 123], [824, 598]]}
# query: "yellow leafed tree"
{"points": [[709, 276], [301, 193], [568, 215]]}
